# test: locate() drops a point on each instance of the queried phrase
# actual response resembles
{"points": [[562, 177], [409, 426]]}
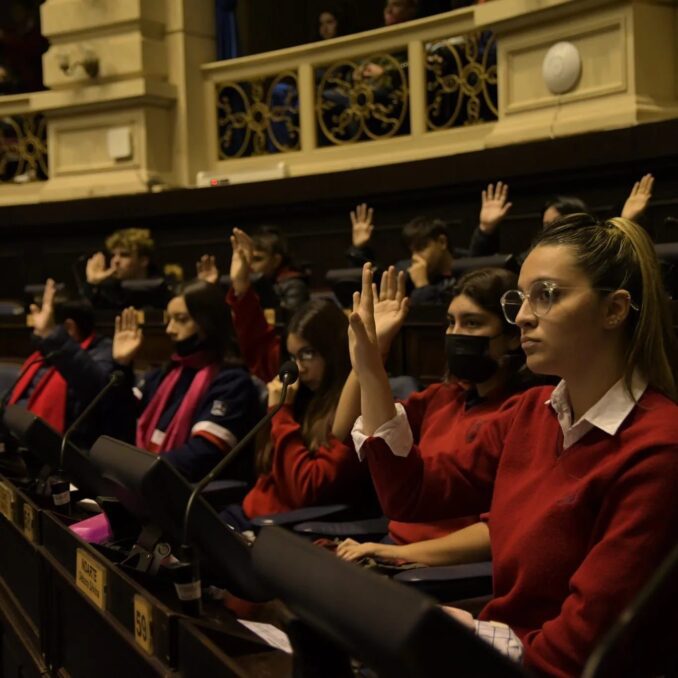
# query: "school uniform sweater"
{"points": [[300, 477], [224, 415], [441, 412], [575, 533]]}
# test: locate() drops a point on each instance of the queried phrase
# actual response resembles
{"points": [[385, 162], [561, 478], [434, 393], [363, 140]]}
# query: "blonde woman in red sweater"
{"points": [[580, 480]]}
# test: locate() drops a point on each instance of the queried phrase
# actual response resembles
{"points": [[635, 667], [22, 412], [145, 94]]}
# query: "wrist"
{"points": [[486, 228]]}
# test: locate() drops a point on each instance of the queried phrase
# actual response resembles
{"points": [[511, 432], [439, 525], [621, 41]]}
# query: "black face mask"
{"points": [[468, 357], [188, 346]]}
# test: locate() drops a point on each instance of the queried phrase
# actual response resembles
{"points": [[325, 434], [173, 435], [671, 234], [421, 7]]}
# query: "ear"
{"points": [[616, 309], [72, 329]]}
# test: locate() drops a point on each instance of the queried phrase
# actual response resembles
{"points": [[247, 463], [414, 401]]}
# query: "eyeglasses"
{"points": [[306, 355], [541, 296]]}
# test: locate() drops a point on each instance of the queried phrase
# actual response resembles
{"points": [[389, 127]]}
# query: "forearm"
{"points": [[348, 408], [376, 399], [468, 545]]}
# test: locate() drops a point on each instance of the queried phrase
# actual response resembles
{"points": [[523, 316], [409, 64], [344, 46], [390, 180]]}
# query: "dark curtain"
{"points": [[227, 29]]}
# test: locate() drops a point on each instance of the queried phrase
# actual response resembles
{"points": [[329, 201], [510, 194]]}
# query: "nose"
{"points": [[526, 316]]}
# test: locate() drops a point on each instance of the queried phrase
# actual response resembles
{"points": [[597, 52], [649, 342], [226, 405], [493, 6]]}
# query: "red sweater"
{"points": [[298, 477], [574, 533], [259, 342], [439, 415]]}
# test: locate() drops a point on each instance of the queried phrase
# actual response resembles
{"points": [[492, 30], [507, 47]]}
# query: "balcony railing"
{"points": [[23, 148]]}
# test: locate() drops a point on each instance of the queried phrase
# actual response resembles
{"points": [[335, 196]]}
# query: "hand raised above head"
{"points": [[362, 332], [96, 271], [43, 316], [639, 198], [494, 206], [362, 221], [390, 308], [128, 337], [206, 269]]}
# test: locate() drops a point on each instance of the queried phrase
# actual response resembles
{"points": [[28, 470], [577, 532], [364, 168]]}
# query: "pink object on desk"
{"points": [[94, 530]]}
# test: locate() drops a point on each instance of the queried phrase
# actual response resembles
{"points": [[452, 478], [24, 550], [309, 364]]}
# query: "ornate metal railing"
{"points": [[405, 81], [23, 148]]}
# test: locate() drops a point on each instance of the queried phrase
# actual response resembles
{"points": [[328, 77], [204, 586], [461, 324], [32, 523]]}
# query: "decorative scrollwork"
{"points": [[462, 81], [258, 117], [23, 148], [357, 101]]}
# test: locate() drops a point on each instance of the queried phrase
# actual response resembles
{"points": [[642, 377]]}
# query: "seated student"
{"points": [[495, 206], [130, 251], [303, 463], [484, 369], [431, 267], [580, 480], [79, 366], [196, 408]]}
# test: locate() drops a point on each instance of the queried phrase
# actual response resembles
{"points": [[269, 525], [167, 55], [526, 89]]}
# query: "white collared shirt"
{"points": [[607, 414]]}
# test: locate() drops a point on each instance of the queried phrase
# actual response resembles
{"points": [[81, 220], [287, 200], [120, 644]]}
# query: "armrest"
{"points": [[367, 530], [219, 493], [451, 582], [291, 518]]}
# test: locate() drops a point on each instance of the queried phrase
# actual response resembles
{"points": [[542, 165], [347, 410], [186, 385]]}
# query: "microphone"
{"points": [[63, 496], [288, 374], [8, 393]]}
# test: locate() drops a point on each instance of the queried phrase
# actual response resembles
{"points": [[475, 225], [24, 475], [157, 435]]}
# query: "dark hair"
{"points": [[485, 287], [80, 311], [338, 12], [420, 231], [565, 204], [325, 327], [206, 305], [271, 240], [618, 254]]}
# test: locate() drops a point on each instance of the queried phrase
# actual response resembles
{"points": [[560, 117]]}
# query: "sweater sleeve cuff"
{"points": [[396, 433], [501, 637]]}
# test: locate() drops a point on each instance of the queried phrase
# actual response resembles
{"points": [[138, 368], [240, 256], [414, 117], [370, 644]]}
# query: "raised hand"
{"points": [[418, 271], [43, 316], [241, 261], [275, 391], [96, 271], [390, 308], [128, 337], [363, 225], [206, 269], [639, 198], [494, 206], [362, 331]]}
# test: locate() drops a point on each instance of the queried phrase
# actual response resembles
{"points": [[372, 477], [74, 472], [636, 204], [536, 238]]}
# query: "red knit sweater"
{"points": [[299, 477], [440, 413], [574, 533]]}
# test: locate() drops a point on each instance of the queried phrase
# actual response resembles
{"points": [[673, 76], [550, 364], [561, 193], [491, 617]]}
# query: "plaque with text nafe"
{"points": [[156, 493]]}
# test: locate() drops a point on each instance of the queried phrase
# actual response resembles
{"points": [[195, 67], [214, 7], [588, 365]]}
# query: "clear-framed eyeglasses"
{"points": [[305, 355], [541, 297]]}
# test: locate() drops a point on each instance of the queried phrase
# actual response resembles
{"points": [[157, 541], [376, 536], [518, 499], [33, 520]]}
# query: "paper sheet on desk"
{"points": [[269, 633]]}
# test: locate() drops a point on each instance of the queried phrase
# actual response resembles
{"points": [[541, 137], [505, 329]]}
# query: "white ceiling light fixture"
{"points": [[561, 67]]}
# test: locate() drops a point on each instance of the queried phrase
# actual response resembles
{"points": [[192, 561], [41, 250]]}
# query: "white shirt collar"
{"points": [[607, 414]]}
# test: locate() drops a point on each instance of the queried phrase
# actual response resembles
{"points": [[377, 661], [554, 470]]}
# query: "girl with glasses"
{"points": [[484, 368], [580, 480], [301, 463]]}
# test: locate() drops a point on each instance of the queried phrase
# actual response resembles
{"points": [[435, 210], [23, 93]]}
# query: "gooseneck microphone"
{"points": [[288, 374], [190, 591], [63, 497]]}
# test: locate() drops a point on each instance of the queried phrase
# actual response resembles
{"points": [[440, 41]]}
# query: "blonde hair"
{"points": [[618, 254], [138, 240]]}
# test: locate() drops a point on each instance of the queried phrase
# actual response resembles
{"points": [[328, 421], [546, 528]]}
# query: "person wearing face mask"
{"points": [[196, 408], [579, 479], [484, 370]]}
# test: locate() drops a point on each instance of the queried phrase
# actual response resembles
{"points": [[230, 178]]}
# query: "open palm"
{"points": [[494, 206], [639, 198], [390, 308], [128, 337]]}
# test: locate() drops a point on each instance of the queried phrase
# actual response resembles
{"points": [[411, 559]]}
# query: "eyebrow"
{"points": [[543, 279], [466, 316]]}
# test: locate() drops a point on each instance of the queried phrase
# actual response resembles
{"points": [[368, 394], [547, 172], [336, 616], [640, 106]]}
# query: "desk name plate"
{"points": [[90, 578], [7, 499]]}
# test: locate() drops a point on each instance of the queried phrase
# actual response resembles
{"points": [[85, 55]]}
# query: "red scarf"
{"points": [[177, 433], [48, 399]]}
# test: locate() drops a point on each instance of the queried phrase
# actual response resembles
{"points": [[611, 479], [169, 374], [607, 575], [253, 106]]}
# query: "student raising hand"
{"points": [[494, 206], [43, 316], [390, 307], [362, 221], [206, 269], [638, 199], [241, 262], [128, 337]]}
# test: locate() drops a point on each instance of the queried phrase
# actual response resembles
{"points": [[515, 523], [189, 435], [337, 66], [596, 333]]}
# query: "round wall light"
{"points": [[561, 68]]}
